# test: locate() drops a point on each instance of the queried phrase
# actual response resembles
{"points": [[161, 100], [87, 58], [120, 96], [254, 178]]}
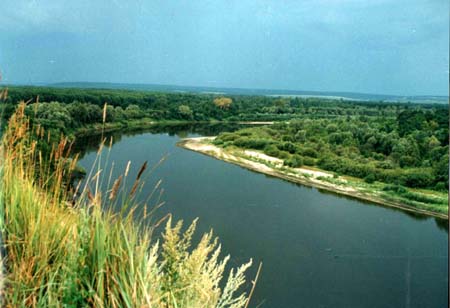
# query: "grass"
{"points": [[61, 253], [423, 199]]}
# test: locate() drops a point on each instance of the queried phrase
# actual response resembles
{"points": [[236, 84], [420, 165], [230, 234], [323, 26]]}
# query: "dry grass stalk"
{"points": [[91, 256]]}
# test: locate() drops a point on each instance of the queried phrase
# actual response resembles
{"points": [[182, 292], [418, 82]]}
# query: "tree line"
{"points": [[397, 143], [410, 149], [85, 105]]}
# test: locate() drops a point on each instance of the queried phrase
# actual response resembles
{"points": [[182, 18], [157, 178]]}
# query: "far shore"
{"points": [[98, 128], [313, 177]]}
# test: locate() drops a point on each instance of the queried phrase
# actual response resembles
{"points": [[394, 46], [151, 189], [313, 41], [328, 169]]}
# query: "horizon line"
{"points": [[37, 84]]}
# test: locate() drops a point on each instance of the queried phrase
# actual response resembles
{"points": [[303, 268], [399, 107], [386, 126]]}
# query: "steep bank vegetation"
{"points": [[66, 252]]}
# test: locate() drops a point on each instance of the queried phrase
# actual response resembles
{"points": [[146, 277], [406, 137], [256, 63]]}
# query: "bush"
{"points": [[217, 141], [309, 152], [370, 178], [252, 143], [244, 133], [288, 138], [283, 155], [308, 161], [271, 150], [378, 156], [395, 188], [418, 179], [288, 147], [407, 161], [387, 164], [296, 161], [227, 137], [441, 186]]}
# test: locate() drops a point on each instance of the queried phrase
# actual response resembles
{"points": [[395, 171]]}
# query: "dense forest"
{"points": [[409, 149], [73, 107], [404, 144]]}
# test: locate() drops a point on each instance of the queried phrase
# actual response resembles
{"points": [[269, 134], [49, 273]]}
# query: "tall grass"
{"points": [[76, 254]]}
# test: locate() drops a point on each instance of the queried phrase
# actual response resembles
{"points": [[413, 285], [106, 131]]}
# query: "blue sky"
{"points": [[387, 47]]}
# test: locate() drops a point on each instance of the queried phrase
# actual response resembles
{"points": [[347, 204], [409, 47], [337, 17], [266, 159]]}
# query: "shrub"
{"points": [[287, 138], [288, 147], [386, 164], [300, 136], [252, 143], [296, 161], [418, 179], [395, 188], [370, 178], [309, 152], [308, 161], [244, 133], [441, 186], [271, 150], [283, 155], [227, 137], [218, 141]]}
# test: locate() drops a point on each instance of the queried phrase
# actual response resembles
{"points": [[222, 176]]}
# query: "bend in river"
{"points": [[318, 249]]}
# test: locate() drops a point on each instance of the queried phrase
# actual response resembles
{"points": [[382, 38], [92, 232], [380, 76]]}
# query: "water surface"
{"points": [[318, 249]]}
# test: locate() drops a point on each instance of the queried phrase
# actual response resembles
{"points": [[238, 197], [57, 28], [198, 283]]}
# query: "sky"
{"points": [[382, 47]]}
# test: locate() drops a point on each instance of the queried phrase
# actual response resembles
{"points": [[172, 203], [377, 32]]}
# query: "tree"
{"points": [[133, 112], [300, 136], [409, 121], [223, 102], [433, 142], [52, 115], [406, 152], [110, 114], [185, 112], [440, 170], [296, 161]]}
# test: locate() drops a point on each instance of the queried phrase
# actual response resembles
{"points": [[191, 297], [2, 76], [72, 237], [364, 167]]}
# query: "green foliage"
{"points": [[185, 112], [410, 120], [272, 150], [295, 161], [204, 107], [306, 151], [395, 143], [252, 143], [133, 112], [51, 116], [441, 170], [370, 178], [287, 146], [414, 196], [395, 188], [372, 148], [300, 136], [308, 161], [83, 254]]}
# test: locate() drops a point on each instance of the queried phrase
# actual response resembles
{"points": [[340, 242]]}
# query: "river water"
{"points": [[318, 249]]}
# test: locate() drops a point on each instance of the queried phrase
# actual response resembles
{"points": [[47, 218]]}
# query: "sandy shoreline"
{"points": [[258, 162]]}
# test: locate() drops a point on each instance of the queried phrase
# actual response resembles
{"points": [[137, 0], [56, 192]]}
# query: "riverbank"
{"points": [[84, 253], [348, 186], [99, 128]]}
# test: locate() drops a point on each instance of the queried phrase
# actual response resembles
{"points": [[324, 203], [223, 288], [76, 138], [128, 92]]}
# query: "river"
{"points": [[318, 249]]}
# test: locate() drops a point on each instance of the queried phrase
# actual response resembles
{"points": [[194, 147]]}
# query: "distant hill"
{"points": [[241, 91]]}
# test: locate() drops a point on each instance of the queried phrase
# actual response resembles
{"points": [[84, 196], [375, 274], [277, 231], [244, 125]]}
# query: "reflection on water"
{"points": [[88, 144], [442, 224], [319, 249]]}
